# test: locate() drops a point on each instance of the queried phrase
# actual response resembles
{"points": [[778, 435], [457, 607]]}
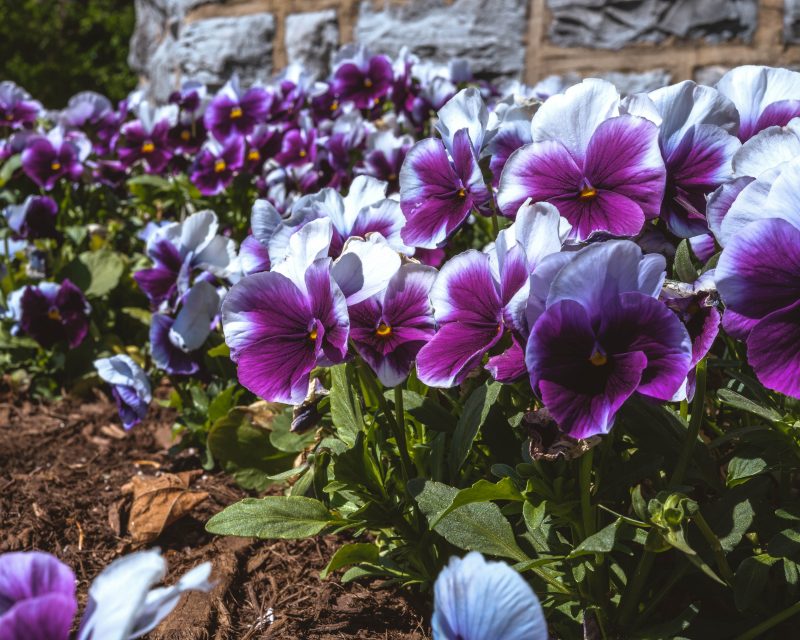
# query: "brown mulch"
{"points": [[62, 472]]}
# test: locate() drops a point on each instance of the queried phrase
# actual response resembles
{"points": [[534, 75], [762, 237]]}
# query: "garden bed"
{"points": [[62, 472]]}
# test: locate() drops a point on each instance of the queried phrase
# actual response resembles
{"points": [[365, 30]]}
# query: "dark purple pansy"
{"points": [[46, 159], [111, 173], [758, 277], [361, 78], [145, 142], [37, 597], [274, 346], [17, 108], [236, 112], [602, 170], [263, 144], [52, 313], [216, 164], [441, 182], [384, 157], [603, 337], [480, 297], [764, 96], [697, 145], [94, 114], [190, 98], [187, 136], [33, 219], [298, 147]]}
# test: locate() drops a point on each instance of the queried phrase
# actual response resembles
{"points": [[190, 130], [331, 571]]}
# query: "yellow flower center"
{"points": [[9, 117], [368, 83], [236, 112], [334, 105], [254, 155], [54, 314], [55, 165], [220, 166], [462, 193], [383, 330], [587, 193], [148, 147], [302, 153], [312, 335], [185, 135], [598, 359]]}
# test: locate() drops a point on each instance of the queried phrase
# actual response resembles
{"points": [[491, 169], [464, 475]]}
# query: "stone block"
{"points": [[491, 36], [612, 24], [311, 39]]}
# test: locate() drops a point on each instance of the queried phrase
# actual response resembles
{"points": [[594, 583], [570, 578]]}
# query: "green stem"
{"points": [[495, 224], [716, 547], [758, 630], [630, 599], [400, 434], [694, 426], [584, 476]]}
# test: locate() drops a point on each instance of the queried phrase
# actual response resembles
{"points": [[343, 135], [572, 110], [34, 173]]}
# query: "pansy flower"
{"points": [[360, 77], [129, 386], [174, 342], [234, 111], [147, 138], [216, 164], [263, 144], [33, 219], [48, 158], [698, 147], [52, 313], [764, 97], [480, 296], [479, 600], [179, 248], [93, 113], [190, 99], [275, 346], [384, 157], [298, 147], [604, 336], [441, 182], [602, 168], [38, 600], [758, 278], [17, 109]]}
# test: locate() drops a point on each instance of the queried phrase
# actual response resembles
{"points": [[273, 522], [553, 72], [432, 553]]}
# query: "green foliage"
{"points": [[57, 48]]}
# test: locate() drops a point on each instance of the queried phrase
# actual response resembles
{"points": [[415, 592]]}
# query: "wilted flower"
{"points": [[479, 600], [129, 385], [601, 167]]}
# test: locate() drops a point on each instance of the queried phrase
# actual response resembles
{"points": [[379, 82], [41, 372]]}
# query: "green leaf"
{"points": [[482, 491], [347, 421], [534, 515], [349, 554], [741, 469], [600, 542], [475, 412], [9, 167], [670, 630], [751, 577], [474, 527], [105, 269], [785, 544], [282, 437], [221, 403], [286, 517], [738, 401], [246, 452], [426, 410], [683, 267], [220, 351]]}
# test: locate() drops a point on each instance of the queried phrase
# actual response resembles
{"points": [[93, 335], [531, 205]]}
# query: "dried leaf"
{"points": [[158, 501]]}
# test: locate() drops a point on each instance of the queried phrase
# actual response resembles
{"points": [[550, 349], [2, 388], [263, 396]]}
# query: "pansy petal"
{"points": [[773, 350], [455, 350], [193, 322], [465, 110]]}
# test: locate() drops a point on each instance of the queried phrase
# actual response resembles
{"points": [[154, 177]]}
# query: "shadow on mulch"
{"points": [[62, 468]]}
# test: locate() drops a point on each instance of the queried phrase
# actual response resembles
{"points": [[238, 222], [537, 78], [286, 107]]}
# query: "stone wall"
{"points": [[639, 44]]}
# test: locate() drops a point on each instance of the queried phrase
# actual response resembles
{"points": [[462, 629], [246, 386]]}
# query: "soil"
{"points": [[62, 471]]}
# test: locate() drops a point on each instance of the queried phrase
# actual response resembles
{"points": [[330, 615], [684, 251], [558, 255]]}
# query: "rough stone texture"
{"points": [[635, 82], [492, 39], [791, 22], [311, 39], [612, 24], [710, 75]]}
